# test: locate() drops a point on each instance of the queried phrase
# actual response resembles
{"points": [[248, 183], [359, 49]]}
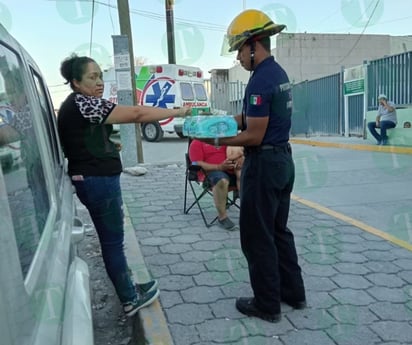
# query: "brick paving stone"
{"points": [[170, 298], [320, 284], [320, 300], [320, 270], [392, 311], [358, 285], [175, 248], [383, 267], [189, 313], [176, 282], [213, 278], [162, 259], [384, 279], [393, 331], [404, 263], [313, 319], [350, 314], [202, 294], [155, 241], [307, 337], [351, 268], [344, 334], [388, 294], [184, 334], [351, 281], [187, 268], [186, 238], [352, 296], [406, 276], [168, 232], [380, 255]]}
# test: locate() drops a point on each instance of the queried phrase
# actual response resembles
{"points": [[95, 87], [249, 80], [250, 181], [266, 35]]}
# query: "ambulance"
{"points": [[165, 86]]}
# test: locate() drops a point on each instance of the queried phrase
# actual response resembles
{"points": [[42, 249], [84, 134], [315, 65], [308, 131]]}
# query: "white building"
{"points": [[308, 56]]}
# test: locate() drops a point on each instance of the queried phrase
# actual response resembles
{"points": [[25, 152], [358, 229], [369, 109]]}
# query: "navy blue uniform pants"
{"points": [[267, 243]]}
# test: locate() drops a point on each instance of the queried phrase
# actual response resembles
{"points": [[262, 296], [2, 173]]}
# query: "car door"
{"points": [[42, 281]]}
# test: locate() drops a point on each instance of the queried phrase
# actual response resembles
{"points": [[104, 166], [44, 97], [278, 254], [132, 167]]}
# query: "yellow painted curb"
{"points": [[150, 324], [359, 147], [354, 222]]}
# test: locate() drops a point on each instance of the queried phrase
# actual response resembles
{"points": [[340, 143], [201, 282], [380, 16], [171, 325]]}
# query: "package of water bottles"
{"points": [[210, 126]]}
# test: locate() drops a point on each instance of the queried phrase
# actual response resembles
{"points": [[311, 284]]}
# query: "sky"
{"points": [[51, 30]]}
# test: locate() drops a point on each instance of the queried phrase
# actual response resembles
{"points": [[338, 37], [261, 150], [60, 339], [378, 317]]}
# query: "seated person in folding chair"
{"points": [[220, 173], [236, 154]]}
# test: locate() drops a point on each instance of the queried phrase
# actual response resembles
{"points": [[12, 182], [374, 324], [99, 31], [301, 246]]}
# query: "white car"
{"points": [[44, 285]]}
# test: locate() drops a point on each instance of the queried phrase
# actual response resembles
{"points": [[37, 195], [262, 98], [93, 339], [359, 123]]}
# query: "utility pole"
{"points": [[170, 32], [125, 29]]}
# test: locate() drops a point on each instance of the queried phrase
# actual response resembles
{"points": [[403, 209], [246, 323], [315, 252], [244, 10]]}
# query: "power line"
{"points": [[361, 34], [161, 17], [91, 30], [110, 15]]}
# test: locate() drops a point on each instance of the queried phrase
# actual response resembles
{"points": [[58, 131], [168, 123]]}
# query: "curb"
{"points": [[361, 147], [149, 327]]}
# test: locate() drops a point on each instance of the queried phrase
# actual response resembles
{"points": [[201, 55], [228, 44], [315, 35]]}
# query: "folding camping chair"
{"points": [[200, 189]]}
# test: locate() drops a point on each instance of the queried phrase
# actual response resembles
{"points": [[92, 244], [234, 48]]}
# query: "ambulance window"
{"points": [[200, 92], [187, 91], [21, 164]]}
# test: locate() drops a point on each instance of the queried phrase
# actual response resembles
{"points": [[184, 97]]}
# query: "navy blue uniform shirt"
{"points": [[268, 93]]}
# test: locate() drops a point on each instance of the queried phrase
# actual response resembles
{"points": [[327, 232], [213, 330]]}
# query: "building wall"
{"points": [[308, 56]]}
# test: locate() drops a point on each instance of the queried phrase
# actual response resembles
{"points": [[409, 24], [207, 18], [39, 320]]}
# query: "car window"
{"points": [[200, 92], [187, 91], [20, 160], [46, 113]]}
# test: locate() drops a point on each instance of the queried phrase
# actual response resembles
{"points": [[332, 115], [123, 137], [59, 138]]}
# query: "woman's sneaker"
{"points": [[144, 288], [131, 308]]}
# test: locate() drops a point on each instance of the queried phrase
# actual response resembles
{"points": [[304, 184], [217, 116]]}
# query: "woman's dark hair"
{"points": [[73, 67]]}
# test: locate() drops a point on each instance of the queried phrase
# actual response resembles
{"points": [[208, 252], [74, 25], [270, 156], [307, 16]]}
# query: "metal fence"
{"points": [[227, 96], [391, 75], [318, 105]]}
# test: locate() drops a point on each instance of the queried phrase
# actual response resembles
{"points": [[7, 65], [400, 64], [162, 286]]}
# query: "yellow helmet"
{"points": [[248, 24]]}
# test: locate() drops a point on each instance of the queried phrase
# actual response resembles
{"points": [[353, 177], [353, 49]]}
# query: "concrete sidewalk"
{"points": [[359, 284]]}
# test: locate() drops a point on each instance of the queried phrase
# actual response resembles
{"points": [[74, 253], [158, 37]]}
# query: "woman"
{"points": [[85, 123]]}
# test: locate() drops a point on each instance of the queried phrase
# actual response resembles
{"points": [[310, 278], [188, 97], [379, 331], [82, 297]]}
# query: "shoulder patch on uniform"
{"points": [[255, 99]]}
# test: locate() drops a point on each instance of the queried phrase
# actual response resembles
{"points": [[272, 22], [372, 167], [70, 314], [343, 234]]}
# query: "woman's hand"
{"points": [[183, 111]]}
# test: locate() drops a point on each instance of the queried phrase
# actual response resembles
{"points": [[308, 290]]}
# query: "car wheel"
{"points": [[152, 131]]}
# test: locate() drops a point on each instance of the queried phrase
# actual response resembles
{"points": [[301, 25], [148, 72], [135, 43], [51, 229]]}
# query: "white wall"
{"points": [[308, 56]]}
